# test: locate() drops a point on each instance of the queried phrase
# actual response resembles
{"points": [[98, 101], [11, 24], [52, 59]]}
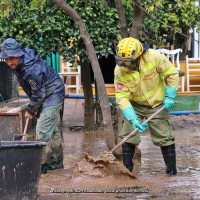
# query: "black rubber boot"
{"points": [[56, 165], [169, 155], [128, 151], [44, 168]]}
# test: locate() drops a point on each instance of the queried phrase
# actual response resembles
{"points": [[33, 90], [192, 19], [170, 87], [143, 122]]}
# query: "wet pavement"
{"points": [[78, 182]]}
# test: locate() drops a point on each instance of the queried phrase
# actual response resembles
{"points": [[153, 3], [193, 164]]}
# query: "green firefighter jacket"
{"points": [[147, 85]]}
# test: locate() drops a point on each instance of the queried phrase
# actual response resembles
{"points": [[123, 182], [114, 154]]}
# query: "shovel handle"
{"points": [[25, 129], [134, 131]]}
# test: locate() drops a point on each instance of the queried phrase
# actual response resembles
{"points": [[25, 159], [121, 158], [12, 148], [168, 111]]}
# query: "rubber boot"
{"points": [[44, 168], [128, 151], [56, 165], [169, 155]]}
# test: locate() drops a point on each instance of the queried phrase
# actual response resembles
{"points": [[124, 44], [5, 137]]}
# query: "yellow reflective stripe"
{"points": [[120, 95], [123, 103], [129, 77], [148, 94], [170, 70], [149, 66]]}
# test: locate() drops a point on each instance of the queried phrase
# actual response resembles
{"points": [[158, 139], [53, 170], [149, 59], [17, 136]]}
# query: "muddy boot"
{"points": [[169, 155], [128, 151], [56, 165], [44, 168]]}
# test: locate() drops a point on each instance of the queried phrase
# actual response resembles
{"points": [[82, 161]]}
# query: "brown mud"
{"points": [[81, 180]]}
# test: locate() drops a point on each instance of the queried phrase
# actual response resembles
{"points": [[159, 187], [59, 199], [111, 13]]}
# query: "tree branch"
{"points": [[137, 20], [122, 18]]}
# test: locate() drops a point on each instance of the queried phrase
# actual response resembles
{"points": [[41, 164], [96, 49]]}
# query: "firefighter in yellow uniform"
{"points": [[145, 80]]}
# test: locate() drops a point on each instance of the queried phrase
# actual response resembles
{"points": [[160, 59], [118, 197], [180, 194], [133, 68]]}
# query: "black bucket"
{"points": [[20, 163]]}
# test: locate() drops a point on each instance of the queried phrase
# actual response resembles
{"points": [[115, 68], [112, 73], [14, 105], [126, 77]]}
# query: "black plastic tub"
{"points": [[20, 169]]}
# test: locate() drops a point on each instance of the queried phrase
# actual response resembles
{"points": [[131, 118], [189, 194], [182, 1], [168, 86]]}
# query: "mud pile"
{"points": [[103, 165]]}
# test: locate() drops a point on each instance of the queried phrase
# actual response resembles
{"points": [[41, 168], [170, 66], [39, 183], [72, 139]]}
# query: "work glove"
{"points": [[170, 96], [130, 115]]}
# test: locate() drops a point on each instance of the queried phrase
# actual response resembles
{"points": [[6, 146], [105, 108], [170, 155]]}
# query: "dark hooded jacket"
{"points": [[43, 86]]}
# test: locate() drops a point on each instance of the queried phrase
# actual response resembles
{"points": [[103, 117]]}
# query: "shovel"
{"points": [[133, 132], [106, 158], [25, 129]]}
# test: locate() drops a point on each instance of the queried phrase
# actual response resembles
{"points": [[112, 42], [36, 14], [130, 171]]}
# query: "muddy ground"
{"points": [[151, 181]]}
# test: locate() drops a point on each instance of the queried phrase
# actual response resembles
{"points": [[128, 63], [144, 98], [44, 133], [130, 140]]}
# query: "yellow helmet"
{"points": [[129, 48]]}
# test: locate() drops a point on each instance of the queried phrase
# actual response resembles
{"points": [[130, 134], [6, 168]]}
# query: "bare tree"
{"points": [[107, 119]]}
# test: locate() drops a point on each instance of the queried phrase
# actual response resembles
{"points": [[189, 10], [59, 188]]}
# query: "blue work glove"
{"points": [[130, 115], [170, 96]]}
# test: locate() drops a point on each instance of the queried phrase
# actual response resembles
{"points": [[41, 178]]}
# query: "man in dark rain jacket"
{"points": [[46, 92]]}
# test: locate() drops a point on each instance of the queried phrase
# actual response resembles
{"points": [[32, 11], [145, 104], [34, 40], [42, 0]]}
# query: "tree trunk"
{"points": [[122, 18], [108, 127], [184, 43], [173, 40], [188, 44], [137, 20], [87, 88]]}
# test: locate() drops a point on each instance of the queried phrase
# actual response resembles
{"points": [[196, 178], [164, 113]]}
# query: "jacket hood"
{"points": [[145, 46], [29, 58]]}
